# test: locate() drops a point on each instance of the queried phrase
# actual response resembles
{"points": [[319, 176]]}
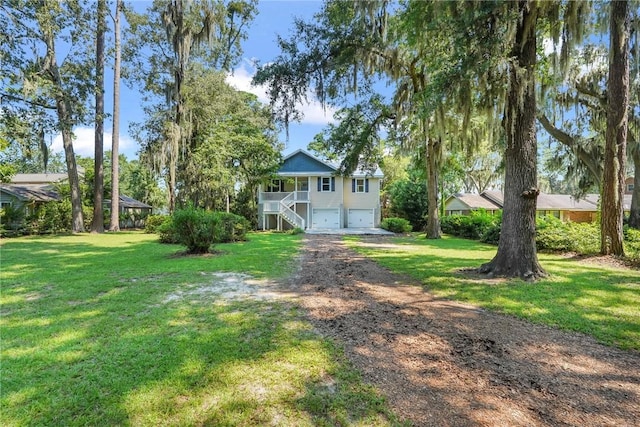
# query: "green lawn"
{"points": [[597, 300], [115, 329]]}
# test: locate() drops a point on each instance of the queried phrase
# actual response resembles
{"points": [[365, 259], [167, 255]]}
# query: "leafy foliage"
{"points": [[473, 226], [408, 199], [396, 225], [198, 229]]}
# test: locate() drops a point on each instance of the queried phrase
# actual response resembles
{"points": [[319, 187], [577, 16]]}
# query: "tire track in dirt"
{"points": [[442, 363]]}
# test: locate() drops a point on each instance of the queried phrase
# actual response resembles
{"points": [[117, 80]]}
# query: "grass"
{"points": [[115, 329], [602, 301]]}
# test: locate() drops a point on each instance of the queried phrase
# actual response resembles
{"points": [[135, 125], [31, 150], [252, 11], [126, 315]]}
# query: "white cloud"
{"points": [[84, 143], [313, 111]]}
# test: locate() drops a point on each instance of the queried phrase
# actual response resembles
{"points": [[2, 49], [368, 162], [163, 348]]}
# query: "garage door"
{"points": [[325, 218], [360, 218]]}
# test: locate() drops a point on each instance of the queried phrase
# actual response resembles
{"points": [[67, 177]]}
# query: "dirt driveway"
{"points": [[442, 363]]}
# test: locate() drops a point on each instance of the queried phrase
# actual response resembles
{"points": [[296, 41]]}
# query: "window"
{"points": [[5, 205], [630, 188], [359, 185], [326, 184], [275, 186]]}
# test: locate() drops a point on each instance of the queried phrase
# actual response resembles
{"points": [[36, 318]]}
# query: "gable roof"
{"points": [[301, 163], [30, 193], [475, 201]]}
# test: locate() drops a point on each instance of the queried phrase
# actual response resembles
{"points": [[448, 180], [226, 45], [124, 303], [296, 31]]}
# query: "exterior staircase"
{"points": [[289, 214]]}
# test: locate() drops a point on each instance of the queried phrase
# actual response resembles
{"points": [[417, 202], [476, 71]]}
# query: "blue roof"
{"points": [[301, 161]]}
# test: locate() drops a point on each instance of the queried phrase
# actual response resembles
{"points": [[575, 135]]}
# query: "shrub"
{"points": [[198, 229], [554, 235], [229, 227], [396, 225], [632, 243], [473, 226], [153, 222], [295, 231], [167, 232], [195, 229]]}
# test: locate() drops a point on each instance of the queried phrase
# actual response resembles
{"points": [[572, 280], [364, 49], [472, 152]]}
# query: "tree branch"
{"points": [[26, 101]]}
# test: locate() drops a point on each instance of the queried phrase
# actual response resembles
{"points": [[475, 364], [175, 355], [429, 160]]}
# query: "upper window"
{"points": [[275, 186], [630, 188], [359, 185], [326, 184]]}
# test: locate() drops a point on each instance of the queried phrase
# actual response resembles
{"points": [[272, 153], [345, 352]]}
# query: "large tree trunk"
{"points": [[433, 221], [516, 256], [611, 233], [114, 222], [97, 224]]}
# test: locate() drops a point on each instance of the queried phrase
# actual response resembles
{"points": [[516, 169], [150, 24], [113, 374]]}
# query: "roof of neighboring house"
{"points": [[31, 192], [38, 178], [128, 202], [550, 202], [475, 201], [301, 163], [495, 196], [545, 202]]}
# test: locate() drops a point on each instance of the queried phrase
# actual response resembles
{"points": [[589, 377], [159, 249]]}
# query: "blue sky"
{"points": [[274, 17]]}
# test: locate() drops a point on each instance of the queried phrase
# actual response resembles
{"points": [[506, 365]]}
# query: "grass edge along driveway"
{"points": [[599, 300], [115, 329]]}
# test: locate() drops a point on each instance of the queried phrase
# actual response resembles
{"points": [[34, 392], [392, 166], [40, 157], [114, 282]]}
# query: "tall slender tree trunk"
{"points": [[433, 220], [63, 110], [611, 233], [114, 223], [517, 256], [97, 224]]}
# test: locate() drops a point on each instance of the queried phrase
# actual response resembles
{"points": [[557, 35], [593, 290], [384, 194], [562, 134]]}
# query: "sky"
{"points": [[274, 18]]}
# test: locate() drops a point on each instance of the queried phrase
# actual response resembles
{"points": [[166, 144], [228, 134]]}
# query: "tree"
{"points": [[32, 76], [210, 31], [97, 223], [114, 223], [611, 233]]}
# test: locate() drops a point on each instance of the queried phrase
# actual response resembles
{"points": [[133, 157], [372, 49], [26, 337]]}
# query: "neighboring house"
{"points": [[28, 191], [26, 197], [562, 206], [308, 193], [132, 212]]}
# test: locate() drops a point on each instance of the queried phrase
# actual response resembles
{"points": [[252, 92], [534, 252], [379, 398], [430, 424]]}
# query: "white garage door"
{"points": [[360, 218], [325, 218]]}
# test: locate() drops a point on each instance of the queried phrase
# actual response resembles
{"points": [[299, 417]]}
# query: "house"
{"points": [[309, 193], [562, 206], [27, 192], [132, 212]]}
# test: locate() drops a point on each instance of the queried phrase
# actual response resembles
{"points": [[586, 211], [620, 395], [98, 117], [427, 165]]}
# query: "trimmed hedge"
{"points": [[396, 225]]}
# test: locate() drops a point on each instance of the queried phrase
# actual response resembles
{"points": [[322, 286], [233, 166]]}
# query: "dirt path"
{"points": [[442, 363]]}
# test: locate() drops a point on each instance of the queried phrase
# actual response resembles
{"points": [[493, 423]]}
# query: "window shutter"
{"points": [[366, 185], [319, 184], [353, 185], [333, 183]]}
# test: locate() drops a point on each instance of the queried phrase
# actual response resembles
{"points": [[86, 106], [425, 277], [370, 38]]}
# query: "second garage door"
{"points": [[360, 218], [325, 218]]}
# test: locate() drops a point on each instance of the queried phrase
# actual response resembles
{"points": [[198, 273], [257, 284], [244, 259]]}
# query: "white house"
{"points": [[308, 193]]}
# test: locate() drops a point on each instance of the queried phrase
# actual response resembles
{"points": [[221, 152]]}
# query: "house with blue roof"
{"points": [[309, 193]]}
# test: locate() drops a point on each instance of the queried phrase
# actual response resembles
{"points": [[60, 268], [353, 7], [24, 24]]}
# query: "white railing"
{"points": [[281, 203], [298, 196], [291, 216]]}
